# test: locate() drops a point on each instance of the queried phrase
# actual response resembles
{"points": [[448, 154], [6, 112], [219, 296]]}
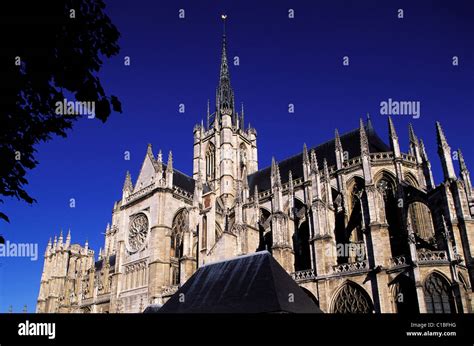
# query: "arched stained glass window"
{"points": [[438, 296], [352, 299]]}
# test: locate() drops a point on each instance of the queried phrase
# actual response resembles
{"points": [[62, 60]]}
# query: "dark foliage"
{"points": [[60, 58]]}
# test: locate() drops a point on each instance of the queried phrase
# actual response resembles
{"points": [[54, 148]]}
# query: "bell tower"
{"points": [[224, 151]]}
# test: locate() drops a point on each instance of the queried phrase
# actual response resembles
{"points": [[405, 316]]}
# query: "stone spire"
{"points": [[315, 177], [290, 183], [169, 165], [149, 152], [395, 145], [127, 185], [305, 153], [327, 183], [314, 162], [444, 152], [225, 94], [169, 171], [414, 144], [68, 238], [291, 201], [275, 173], [277, 197], [60, 240], [365, 154], [339, 150], [364, 142], [465, 176], [426, 164], [462, 163], [208, 114]]}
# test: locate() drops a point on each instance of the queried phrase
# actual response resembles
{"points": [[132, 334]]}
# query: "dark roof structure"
{"points": [[182, 180], [350, 143], [254, 283]]}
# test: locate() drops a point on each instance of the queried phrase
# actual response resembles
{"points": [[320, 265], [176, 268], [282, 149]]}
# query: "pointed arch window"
{"points": [[210, 162], [352, 299], [179, 227], [438, 295]]}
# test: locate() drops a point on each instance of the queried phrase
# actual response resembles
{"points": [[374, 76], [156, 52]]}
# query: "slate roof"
{"points": [[254, 283], [350, 142]]}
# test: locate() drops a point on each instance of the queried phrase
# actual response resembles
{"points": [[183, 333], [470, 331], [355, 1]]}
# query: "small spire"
{"points": [[149, 152], [370, 127], [314, 162], [276, 173], [391, 128], [412, 135], [242, 124], [208, 114], [326, 169], [49, 244], [337, 140], [305, 154], [86, 245], [462, 163], [441, 138], [61, 237], [55, 243], [364, 142], [169, 167], [424, 155], [127, 185], [68, 237]]}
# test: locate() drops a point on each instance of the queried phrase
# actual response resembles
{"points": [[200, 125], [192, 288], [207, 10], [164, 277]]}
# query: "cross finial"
{"points": [[223, 17]]}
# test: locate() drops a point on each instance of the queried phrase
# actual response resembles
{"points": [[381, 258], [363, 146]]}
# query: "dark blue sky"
{"points": [[282, 61]]}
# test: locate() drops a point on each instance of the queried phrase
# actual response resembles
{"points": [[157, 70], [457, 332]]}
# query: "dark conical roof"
{"points": [[253, 283]]}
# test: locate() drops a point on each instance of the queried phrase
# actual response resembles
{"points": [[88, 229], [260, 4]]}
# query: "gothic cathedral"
{"points": [[360, 225]]}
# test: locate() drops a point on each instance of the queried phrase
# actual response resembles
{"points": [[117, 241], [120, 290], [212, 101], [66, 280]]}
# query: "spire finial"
{"points": [[169, 167], [411, 133], [127, 185], [326, 169], [391, 128], [305, 154], [462, 163], [370, 127], [338, 140], [364, 142], [424, 155], [440, 135], [314, 162], [223, 17]]}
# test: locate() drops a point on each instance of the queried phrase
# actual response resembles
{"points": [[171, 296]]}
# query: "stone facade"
{"points": [[359, 224]]}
